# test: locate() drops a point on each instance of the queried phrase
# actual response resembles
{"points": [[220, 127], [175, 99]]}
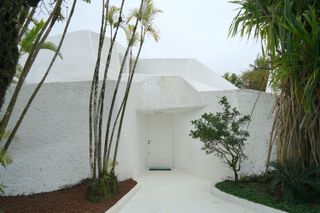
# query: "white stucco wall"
{"points": [[188, 155], [51, 147], [167, 93], [50, 150]]}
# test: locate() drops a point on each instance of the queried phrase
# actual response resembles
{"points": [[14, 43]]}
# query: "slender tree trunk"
{"points": [[94, 94], [102, 94], [236, 176], [124, 99], [108, 143], [125, 105], [26, 108], [26, 23]]}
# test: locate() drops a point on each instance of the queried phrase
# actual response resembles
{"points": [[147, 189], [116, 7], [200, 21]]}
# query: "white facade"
{"points": [[51, 147]]}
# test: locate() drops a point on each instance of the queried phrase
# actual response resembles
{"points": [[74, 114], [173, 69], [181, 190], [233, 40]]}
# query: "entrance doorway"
{"points": [[160, 142]]}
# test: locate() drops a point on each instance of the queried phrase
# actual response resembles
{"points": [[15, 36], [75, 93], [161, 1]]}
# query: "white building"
{"points": [[51, 147]]}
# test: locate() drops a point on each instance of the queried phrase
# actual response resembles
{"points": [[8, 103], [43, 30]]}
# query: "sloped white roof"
{"points": [[79, 57], [194, 72], [79, 53]]}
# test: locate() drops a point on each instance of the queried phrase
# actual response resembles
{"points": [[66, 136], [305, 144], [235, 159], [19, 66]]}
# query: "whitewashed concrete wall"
{"points": [[51, 147], [187, 151], [167, 93]]}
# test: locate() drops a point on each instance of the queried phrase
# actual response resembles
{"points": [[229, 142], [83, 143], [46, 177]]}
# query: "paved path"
{"points": [[177, 192]]}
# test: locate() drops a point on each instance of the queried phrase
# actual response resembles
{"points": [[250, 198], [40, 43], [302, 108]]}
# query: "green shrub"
{"points": [[103, 188], [298, 184], [222, 135], [254, 179], [259, 193]]}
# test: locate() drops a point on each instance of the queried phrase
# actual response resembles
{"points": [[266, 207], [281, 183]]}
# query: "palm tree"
{"points": [[290, 36], [146, 17], [101, 178], [102, 165]]}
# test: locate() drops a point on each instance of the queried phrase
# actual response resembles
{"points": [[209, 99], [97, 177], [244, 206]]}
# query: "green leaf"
{"points": [[51, 46]]}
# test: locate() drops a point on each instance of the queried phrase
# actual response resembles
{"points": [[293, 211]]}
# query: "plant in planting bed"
{"points": [[297, 184], [222, 135]]}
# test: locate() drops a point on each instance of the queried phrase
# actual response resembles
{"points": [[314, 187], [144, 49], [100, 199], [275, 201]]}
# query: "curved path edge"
{"points": [[242, 202], [124, 200]]}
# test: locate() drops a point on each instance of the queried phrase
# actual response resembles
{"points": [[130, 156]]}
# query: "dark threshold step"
{"points": [[159, 169]]}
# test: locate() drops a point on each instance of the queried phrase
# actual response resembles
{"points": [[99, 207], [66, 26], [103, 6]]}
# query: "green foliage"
{"points": [[2, 190], [298, 184], [289, 31], [102, 188], [255, 179], [259, 193], [221, 134], [5, 160], [112, 16], [256, 77], [4, 157], [28, 40], [27, 43], [146, 17], [234, 79]]}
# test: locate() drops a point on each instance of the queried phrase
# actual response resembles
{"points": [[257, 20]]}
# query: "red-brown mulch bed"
{"points": [[65, 200]]}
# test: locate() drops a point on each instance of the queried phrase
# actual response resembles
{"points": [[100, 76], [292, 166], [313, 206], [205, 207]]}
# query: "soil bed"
{"points": [[65, 200]]}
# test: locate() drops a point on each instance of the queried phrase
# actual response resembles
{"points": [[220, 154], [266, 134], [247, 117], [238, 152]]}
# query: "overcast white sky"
{"points": [[188, 29]]}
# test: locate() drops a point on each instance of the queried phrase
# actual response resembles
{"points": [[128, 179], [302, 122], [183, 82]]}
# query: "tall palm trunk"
{"points": [[93, 116], [125, 100], [100, 107], [108, 143]]}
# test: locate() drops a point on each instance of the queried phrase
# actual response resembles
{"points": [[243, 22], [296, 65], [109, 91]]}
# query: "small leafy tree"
{"points": [[222, 135]]}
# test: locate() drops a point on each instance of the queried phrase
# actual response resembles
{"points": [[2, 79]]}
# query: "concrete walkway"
{"points": [[177, 192]]}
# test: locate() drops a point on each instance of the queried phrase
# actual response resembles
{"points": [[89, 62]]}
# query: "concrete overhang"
{"points": [[167, 94]]}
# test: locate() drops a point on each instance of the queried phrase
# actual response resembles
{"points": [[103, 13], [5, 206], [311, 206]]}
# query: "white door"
{"points": [[159, 143]]}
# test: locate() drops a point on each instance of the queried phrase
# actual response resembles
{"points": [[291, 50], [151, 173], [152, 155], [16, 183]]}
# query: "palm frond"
{"points": [[50, 46], [112, 15], [30, 36]]}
